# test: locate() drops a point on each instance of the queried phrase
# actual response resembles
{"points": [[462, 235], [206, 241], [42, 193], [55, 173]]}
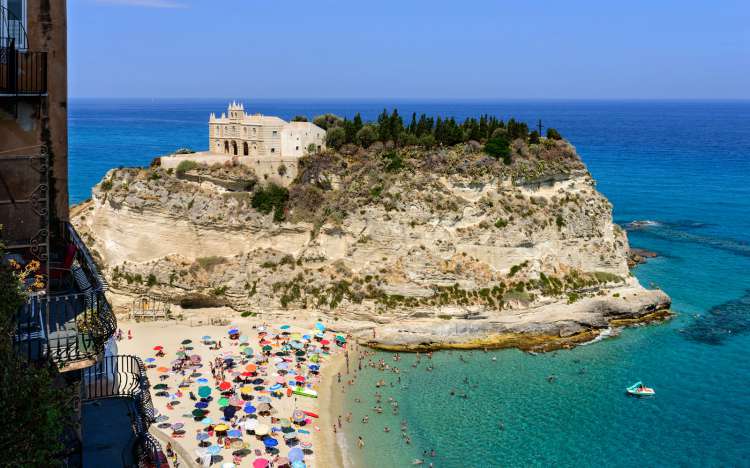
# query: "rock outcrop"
{"points": [[428, 248]]}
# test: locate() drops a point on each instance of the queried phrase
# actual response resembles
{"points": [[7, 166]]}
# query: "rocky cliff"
{"points": [[408, 248]]}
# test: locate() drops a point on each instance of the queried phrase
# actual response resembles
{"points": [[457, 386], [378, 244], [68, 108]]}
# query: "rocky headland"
{"points": [[409, 248]]}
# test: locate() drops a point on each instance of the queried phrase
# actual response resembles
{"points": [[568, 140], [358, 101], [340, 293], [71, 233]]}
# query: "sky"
{"points": [[418, 49]]}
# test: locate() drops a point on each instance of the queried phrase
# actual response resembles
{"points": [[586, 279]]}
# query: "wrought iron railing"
{"points": [[124, 376], [22, 73], [12, 30], [71, 326]]}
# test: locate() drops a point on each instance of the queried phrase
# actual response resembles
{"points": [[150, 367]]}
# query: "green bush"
{"points": [[394, 161], [553, 134], [498, 146], [151, 280], [299, 118], [186, 166], [335, 137], [271, 198], [501, 223], [106, 185], [366, 136]]}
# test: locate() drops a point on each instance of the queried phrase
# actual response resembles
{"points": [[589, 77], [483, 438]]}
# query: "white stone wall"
{"points": [[297, 136], [266, 168]]}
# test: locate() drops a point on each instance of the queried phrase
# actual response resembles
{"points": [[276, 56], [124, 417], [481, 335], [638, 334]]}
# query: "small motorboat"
{"points": [[638, 389]]}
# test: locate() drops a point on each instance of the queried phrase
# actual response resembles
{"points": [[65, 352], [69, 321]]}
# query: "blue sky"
{"points": [[470, 49]]}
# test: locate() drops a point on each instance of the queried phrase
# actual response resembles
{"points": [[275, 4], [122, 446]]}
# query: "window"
{"points": [[275, 133], [273, 150], [16, 22], [297, 148]]}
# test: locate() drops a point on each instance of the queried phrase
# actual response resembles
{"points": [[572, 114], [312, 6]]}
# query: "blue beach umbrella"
{"points": [[285, 327], [234, 433], [206, 338], [249, 409], [201, 405], [150, 359], [214, 450], [201, 436], [202, 380], [270, 442], [206, 421], [233, 331], [299, 464], [320, 326], [296, 454]]}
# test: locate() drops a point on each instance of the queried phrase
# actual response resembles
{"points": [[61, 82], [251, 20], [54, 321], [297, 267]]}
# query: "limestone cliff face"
{"points": [[435, 246]]}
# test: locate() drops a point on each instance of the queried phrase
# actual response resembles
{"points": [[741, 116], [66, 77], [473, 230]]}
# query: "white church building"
{"points": [[268, 144]]}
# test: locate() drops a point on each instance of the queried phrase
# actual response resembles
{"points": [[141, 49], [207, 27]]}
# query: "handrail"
{"points": [[124, 376], [23, 73]]}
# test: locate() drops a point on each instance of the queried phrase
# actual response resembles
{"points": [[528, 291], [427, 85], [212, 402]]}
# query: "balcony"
{"points": [[117, 413], [22, 73], [71, 321]]}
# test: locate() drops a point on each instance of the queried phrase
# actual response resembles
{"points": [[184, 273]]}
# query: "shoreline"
{"points": [[329, 408]]}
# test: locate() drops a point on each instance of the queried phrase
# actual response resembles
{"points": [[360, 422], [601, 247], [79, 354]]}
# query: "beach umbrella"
{"points": [[270, 442], [285, 422], [201, 405], [260, 463], [158, 348], [325, 342], [161, 386], [224, 386], [162, 393], [341, 338], [195, 358], [299, 378], [205, 338], [298, 464], [180, 353], [207, 421], [187, 342], [244, 339], [234, 433], [248, 351], [305, 445], [229, 412], [149, 360], [249, 409], [267, 348], [201, 436], [242, 452], [298, 415], [261, 429], [178, 425], [320, 327], [202, 380], [251, 368], [214, 450], [311, 414], [162, 369], [285, 327], [204, 392], [296, 454], [198, 413], [221, 427], [223, 401]]}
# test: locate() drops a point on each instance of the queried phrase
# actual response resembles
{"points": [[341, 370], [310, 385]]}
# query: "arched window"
{"points": [[226, 147], [245, 149], [234, 148]]}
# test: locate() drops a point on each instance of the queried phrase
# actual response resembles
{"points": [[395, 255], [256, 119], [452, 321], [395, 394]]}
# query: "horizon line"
{"points": [[433, 99]]}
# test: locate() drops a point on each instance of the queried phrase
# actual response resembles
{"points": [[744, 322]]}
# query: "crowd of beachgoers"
{"points": [[236, 396]]}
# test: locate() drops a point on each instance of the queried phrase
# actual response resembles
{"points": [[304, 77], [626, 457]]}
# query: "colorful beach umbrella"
{"points": [[224, 386], [270, 442], [260, 463], [249, 409], [296, 454], [204, 391], [158, 348]]}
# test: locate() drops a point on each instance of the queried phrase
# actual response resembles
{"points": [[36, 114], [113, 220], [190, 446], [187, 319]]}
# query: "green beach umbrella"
{"points": [[204, 392], [223, 401], [186, 342]]}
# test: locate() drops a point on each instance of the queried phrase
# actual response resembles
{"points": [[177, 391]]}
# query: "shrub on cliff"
{"points": [[366, 136], [186, 166], [499, 147], [271, 198], [299, 118], [335, 137], [327, 121], [553, 134]]}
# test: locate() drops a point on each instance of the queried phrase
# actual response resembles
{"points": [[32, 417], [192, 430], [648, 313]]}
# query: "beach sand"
{"points": [[170, 334]]}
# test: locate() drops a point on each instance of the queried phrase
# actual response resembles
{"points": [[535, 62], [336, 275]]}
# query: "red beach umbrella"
{"points": [[158, 348], [225, 386]]}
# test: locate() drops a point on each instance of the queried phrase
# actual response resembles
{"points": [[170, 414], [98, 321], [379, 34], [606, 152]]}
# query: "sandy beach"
{"points": [[175, 400]]}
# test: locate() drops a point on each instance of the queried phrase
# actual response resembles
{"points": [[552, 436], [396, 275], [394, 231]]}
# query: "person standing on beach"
{"points": [[360, 442]]}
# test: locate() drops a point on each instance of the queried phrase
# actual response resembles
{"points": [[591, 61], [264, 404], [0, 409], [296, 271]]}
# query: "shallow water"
{"points": [[684, 165]]}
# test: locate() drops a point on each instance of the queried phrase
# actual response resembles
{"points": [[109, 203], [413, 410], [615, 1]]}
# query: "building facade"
{"points": [[237, 133]]}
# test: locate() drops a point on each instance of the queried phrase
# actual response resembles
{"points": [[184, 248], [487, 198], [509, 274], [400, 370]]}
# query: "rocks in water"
{"points": [[637, 256]]}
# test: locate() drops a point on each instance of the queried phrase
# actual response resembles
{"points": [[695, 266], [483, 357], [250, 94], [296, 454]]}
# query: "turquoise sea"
{"points": [[684, 166]]}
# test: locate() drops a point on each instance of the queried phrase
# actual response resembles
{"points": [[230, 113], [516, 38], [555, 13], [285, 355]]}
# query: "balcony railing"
{"points": [[22, 73], [124, 376], [72, 323]]}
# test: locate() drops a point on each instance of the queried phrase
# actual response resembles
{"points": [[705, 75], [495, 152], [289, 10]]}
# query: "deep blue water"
{"points": [[684, 165]]}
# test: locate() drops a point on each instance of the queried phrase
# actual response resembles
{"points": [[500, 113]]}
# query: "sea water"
{"points": [[682, 166]]}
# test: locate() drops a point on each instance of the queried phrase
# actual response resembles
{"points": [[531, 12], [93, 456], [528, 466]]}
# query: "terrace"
{"points": [[117, 413], [23, 72], [71, 321]]}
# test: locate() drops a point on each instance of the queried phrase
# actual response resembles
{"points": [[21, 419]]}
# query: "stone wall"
{"points": [[266, 168]]}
